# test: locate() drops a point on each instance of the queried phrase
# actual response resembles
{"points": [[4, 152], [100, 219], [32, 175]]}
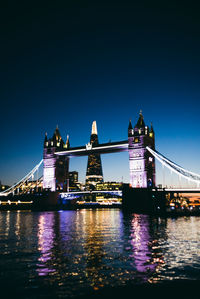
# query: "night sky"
{"points": [[68, 63]]}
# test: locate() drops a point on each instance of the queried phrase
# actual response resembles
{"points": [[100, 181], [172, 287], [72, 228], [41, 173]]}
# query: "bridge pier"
{"points": [[143, 200]]}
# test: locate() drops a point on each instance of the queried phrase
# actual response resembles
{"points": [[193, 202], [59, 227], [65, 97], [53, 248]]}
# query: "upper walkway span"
{"points": [[104, 148]]}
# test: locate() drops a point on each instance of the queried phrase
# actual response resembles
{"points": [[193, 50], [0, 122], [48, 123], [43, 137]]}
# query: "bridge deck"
{"points": [[104, 148]]}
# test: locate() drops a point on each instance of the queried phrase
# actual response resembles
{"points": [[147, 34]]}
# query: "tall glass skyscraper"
{"points": [[94, 172]]}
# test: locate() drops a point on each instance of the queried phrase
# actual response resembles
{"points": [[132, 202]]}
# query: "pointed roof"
{"points": [[140, 122], [56, 134], [45, 139], [130, 125], [151, 129]]}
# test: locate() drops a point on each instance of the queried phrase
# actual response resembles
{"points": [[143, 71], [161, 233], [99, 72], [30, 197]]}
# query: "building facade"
{"points": [[141, 162], [109, 186], [73, 177]]}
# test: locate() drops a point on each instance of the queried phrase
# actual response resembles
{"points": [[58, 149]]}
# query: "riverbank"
{"points": [[142, 204], [58, 207]]}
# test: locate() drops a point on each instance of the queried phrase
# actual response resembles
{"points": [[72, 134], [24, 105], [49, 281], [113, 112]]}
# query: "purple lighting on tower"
{"points": [[141, 162]]}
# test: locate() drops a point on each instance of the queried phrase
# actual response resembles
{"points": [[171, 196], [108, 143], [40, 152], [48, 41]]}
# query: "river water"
{"points": [[68, 253]]}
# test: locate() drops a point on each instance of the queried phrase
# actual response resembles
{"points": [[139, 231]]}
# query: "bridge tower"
{"points": [[141, 162], [56, 168]]}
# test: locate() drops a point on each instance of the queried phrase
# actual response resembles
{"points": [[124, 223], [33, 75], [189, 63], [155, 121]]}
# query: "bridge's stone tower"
{"points": [[56, 168], [141, 162]]}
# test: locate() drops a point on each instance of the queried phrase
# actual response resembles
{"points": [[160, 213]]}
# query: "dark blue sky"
{"points": [[72, 62]]}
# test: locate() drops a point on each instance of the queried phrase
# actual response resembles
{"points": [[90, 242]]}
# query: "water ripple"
{"points": [[67, 253]]}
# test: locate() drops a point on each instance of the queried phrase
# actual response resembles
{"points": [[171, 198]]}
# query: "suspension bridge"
{"points": [[142, 171], [28, 183]]}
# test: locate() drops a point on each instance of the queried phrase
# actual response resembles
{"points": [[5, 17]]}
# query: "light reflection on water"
{"points": [[68, 252]]}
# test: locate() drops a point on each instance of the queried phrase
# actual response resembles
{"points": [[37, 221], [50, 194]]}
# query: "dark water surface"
{"points": [[68, 253]]}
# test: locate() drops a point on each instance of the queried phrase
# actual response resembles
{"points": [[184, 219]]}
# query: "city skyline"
{"points": [[73, 63]]}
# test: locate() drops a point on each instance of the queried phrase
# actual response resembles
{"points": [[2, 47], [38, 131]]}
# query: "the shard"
{"points": [[94, 172]]}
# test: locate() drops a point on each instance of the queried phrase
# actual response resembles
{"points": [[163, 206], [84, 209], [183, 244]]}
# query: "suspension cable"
{"points": [[21, 182], [191, 176]]}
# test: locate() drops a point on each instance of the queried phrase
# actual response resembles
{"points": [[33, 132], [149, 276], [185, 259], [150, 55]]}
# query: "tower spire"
{"points": [[45, 139], [151, 133], [130, 125], [130, 128], [94, 128], [67, 142], [140, 122]]}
